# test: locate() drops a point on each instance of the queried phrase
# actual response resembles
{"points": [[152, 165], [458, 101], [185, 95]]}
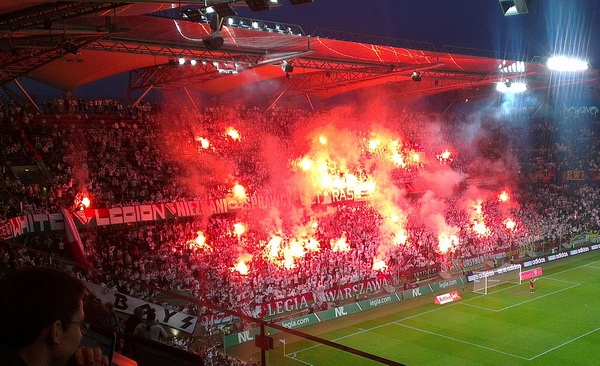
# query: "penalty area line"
{"points": [[462, 341], [292, 356], [565, 343]]}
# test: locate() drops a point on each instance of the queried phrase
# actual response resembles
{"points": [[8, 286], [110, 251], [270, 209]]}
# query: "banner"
{"points": [[126, 304], [279, 307], [339, 311], [446, 298], [347, 291], [6, 231], [438, 286], [422, 272], [477, 261], [575, 175], [73, 239], [536, 272], [94, 217]]}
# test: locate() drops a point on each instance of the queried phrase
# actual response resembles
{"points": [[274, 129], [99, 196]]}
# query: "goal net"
{"points": [[482, 281]]}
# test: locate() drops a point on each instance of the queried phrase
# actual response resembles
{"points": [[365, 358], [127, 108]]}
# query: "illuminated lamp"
{"points": [[47, 23], [416, 76], [514, 7], [287, 67], [213, 42], [70, 47], [258, 5], [193, 15], [509, 87], [224, 10], [300, 2], [566, 64]]}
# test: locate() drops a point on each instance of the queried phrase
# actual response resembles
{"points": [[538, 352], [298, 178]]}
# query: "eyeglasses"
{"points": [[83, 326]]}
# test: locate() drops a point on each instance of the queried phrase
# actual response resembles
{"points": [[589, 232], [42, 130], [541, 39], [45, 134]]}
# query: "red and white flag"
{"points": [[73, 239]]}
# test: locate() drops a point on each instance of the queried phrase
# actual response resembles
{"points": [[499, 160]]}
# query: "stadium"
{"points": [[276, 194]]}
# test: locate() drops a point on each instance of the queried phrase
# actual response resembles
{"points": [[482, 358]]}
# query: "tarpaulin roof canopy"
{"points": [[70, 44]]}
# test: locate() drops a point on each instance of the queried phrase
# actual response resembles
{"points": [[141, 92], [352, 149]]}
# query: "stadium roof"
{"points": [[70, 44]]}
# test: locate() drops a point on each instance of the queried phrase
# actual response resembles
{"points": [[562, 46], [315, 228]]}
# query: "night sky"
{"points": [[551, 26], [566, 27]]}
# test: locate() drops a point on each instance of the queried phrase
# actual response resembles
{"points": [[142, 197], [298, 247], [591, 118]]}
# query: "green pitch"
{"points": [[557, 325]]}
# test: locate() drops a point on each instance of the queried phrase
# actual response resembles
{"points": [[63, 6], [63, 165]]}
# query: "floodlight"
{"points": [[511, 87], [181, 61], [224, 10], [561, 63], [193, 15], [515, 7], [416, 76], [70, 47], [258, 5], [287, 67], [213, 42]]}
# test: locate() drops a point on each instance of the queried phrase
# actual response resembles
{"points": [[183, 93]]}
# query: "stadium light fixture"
{"points": [[514, 7], [213, 42], [416, 76], [224, 10], [510, 87], [193, 15], [259, 5], [512, 67], [70, 47], [287, 67], [566, 64]]}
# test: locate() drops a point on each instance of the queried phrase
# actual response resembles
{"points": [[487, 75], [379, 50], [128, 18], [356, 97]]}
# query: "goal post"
{"points": [[482, 281]]}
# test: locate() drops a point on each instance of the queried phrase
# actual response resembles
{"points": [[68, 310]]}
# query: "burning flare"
{"points": [[242, 265], [239, 192], [379, 265], [446, 243], [239, 228], [510, 224], [339, 245], [199, 242], [233, 133], [503, 197]]}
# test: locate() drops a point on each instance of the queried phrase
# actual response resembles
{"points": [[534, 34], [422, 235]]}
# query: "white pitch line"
{"points": [[539, 297], [466, 303], [574, 268], [565, 343], [298, 360], [557, 280], [463, 341], [440, 308]]}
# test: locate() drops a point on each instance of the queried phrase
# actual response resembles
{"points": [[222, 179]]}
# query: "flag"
{"points": [[73, 239]]}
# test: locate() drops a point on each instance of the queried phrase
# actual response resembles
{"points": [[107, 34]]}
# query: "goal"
{"points": [[482, 281]]}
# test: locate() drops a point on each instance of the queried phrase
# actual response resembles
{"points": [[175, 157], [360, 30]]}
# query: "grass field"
{"points": [[557, 325]]}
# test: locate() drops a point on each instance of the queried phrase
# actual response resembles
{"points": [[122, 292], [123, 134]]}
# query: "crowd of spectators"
{"points": [[118, 156]]}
